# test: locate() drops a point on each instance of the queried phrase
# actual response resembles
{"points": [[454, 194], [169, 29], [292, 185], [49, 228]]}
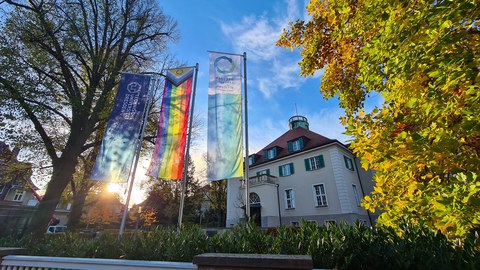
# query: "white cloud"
{"points": [[286, 74], [274, 68], [327, 123], [256, 36], [266, 86], [282, 76], [264, 133]]}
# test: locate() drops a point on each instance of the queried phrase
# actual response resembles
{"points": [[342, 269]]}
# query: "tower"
{"points": [[298, 121]]}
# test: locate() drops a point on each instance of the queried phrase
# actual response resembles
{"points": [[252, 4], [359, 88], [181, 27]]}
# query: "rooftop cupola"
{"points": [[298, 121]]}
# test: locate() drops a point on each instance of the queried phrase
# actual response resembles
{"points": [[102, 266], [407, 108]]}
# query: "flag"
{"points": [[115, 158], [169, 153], [224, 139]]}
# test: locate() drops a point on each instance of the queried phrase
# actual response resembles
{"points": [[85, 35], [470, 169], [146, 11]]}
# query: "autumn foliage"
{"points": [[423, 141]]}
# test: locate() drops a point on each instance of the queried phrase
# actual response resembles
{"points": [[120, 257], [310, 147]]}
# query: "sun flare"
{"points": [[113, 188]]}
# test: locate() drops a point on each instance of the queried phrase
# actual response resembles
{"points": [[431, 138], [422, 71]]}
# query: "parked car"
{"points": [[57, 229]]}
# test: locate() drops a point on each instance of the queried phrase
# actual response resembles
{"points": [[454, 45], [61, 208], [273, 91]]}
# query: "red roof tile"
{"points": [[313, 140]]}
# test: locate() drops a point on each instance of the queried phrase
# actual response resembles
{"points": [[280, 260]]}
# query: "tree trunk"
{"points": [[62, 173], [77, 209]]}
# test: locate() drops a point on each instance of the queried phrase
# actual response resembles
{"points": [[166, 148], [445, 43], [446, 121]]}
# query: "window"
{"points": [[319, 195], [254, 198], [270, 153], [355, 195], [314, 163], [286, 170], [310, 221], [348, 163], [295, 145], [362, 221], [262, 172], [251, 160], [329, 223], [289, 199], [18, 195], [32, 202]]}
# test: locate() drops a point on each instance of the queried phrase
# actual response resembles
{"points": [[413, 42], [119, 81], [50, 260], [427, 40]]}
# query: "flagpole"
{"points": [[187, 152], [137, 156], [247, 184]]}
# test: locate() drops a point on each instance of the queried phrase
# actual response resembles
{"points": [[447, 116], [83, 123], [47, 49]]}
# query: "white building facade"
{"points": [[301, 176]]}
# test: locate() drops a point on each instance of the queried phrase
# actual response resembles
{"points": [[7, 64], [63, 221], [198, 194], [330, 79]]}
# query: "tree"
{"points": [[164, 199], [423, 141], [60, 64], [10, 167], [102, 207], [216, 195]]}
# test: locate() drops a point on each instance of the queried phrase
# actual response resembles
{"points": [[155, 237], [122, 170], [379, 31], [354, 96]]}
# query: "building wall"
{"points": [[27, 195], [14, 218], [269, 203], [337, 179], [234, 203]]}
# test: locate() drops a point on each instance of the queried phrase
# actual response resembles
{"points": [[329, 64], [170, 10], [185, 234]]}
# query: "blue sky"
{"points": [[274, 84]]}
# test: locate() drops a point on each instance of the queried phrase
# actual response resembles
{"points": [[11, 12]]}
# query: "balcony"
{"points": [[260, 180]]}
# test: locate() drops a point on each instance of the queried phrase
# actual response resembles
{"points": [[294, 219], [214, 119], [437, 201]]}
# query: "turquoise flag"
{"points": [[224, 141]]}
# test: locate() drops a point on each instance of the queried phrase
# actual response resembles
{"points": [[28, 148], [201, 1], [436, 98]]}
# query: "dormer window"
{"points": [[251, 160], [295, 145], [270, 153]]}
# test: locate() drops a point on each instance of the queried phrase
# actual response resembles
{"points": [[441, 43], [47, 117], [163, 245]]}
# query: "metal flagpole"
{"points": [[187, 152], [247, 184], [137, 156]]}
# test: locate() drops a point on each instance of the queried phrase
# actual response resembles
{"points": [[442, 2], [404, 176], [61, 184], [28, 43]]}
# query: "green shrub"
{"points": [[340, 247]]}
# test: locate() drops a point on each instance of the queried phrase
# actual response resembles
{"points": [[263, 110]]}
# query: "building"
{"points": [[18, 194], [302, 176]]}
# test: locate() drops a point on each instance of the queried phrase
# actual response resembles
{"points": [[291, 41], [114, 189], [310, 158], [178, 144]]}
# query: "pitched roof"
{"points": [[313, 140]]}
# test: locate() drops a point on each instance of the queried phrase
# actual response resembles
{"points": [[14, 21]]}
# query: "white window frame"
{"points": [[314, 165], [286, 170], [19, 194], [329, 222], [271, 153], [289, 198], [312, 221], [319, 199], [296, 145], [355, 194], [364, 221], [254, 198], [262, 172], [349, 163]]}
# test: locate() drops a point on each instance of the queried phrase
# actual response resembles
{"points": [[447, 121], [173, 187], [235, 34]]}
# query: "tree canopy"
{"points": [[162, 203], [60, 63], [424, 140]]}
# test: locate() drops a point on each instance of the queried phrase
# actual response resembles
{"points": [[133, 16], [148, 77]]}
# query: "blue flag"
{"points": [[115, 158]]}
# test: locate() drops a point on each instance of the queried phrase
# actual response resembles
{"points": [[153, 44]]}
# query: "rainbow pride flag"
{"points": [[169, 153]]}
